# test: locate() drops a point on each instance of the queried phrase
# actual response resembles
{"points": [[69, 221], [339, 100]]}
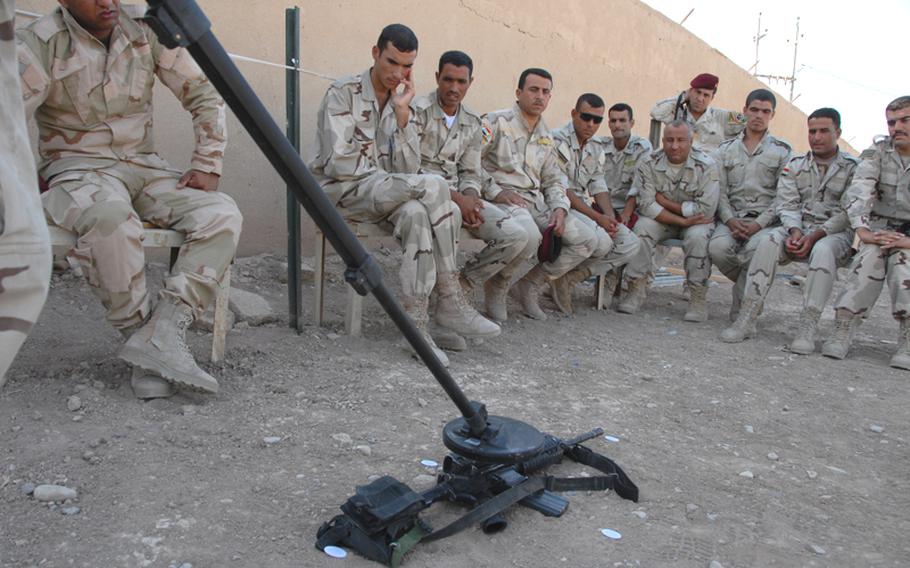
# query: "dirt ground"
{"points": [[746, 455]]}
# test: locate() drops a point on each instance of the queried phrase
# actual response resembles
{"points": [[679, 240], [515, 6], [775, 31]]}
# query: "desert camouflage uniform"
{"points": [[620, 167], [697, 190], [710, 130], [25, 256], [748, 188], [93, 107], [368, 167], [454, 154], [525, 161], [584, 170], [807, 199], [878, 198]]}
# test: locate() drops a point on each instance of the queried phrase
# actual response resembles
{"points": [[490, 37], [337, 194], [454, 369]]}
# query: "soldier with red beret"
{"points": [[710, 126]]}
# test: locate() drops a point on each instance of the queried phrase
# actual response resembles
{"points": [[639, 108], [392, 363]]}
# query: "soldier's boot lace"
{"points": [[454, 313], [901, 359], [804, 342], [416, 308], [527, 290], [698, 307], [744, 326], [495, 291], [160, 347], [561, 289], [845, 324], [634, 296]]}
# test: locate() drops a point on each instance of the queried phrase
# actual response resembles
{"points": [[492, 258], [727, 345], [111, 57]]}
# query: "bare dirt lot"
{"points": [[745, 455]]}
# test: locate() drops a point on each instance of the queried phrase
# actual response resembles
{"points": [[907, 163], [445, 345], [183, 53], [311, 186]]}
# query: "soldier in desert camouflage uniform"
{"points": [[878, 206], [710, 126], [25, 256], [87, 71], [368, 158], [815, 231]]}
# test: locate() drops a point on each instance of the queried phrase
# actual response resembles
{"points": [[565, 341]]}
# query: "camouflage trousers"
{"points": [[828, 254], [25, 256], [695, 247], [106, 206], [424, 218], [509, 245], [611, 253], [579, 241], [732, 256], [870, 269]]}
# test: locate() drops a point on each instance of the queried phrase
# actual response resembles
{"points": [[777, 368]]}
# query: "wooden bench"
{"points": [[173, 240]]}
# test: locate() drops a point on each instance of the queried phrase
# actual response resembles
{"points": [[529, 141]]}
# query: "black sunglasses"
{"points": [[588, 117]]}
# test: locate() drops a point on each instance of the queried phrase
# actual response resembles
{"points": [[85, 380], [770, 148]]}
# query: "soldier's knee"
{"points": [[411, 213], [822, 253], [106, 217]]}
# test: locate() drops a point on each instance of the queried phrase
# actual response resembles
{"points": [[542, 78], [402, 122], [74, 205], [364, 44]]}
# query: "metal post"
{"points": [[292, 98], [654, 134]]}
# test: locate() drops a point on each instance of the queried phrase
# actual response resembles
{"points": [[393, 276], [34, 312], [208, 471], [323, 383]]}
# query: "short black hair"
{"points": [[458, 59], [401, 36], [762, 95], [826, 112], [593, 101], [620, 107], [900, 103], [533, 71]]}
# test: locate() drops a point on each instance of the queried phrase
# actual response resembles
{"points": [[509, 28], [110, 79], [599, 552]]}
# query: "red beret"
{"points": [[704, 81]]}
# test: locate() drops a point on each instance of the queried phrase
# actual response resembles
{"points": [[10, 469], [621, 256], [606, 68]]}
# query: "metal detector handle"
{"points": [[182, 23]]}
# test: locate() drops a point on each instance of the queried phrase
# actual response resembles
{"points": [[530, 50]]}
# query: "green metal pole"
{"points": [[654, 134], [292, 99]]}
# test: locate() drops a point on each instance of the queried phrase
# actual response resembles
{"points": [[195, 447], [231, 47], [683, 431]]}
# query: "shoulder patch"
{"points": [[867, 153], [734, 117], [486, 133], [545, 141]]}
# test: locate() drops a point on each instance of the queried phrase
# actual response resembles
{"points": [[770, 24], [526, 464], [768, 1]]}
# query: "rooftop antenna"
{"points": [[759, 34], [791, 79]]}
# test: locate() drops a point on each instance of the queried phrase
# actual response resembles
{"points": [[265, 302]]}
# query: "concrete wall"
{"points": [[621, 49]]}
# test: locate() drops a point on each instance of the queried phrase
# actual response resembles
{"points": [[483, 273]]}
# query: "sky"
{"points": [[849, 56]]}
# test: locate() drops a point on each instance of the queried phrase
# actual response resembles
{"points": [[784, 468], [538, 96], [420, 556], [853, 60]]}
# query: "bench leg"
{"points": [[599, 293], [354, 313], [319, 277], [219, 326]]}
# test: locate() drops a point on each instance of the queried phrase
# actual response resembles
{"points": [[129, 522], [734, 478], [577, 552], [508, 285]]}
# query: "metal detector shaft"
{"points": [[183, 23]]}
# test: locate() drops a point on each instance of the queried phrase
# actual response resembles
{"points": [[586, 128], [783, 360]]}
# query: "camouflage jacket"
{"points": [[583, 167], [355, 140], [879, 196], [709, 130], [806, 199], [522, 160], [696, 188], [453, 153], [620, 167], [93, 104], [748, 182]]}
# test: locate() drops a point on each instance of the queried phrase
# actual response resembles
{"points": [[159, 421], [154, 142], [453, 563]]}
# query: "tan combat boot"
{"points": [[901, 359], [634, 296], [448, 340], [416, 308], [160, 347], [744, 326], [495, 290], [561, 288], [454, 313], [146, 385], [611, 283], [698, 308], [736, 303], [845, 324], [804, 342], [526, 291]]}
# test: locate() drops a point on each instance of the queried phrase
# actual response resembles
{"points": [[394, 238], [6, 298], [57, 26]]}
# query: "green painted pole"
{"points": [[292, 108]]}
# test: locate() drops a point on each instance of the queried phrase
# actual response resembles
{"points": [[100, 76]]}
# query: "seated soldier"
{"points": [[87, 72], [815, 231], [710, 125], [368, 156], [677, 198], [581, 157]]}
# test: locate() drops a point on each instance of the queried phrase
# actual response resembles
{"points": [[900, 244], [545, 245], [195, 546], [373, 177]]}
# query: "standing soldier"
{"points": [[815, 231], [710, 126], [677, 199], [878, 206], [581, 158], [450, 145], [623, 153], [87, 72], [368, 156], [25, 255], [748, 167], [520, 156]]}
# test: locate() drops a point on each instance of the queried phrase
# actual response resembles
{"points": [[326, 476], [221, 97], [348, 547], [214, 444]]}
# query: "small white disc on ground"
{"points": [[428, 463], [611, 438], [610, 533], [335, 552]]}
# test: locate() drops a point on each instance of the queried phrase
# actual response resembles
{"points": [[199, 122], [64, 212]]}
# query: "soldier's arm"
{"points": [[33, 75], [708, 194], [470, 170], [647, 192], [789, 203], [405, 141], [858, 199], [553, 182], [179, 73], [724, 209], [838, 220], [339, 153], [598, 182], [489, 157], [665, 110], [769, 215]]}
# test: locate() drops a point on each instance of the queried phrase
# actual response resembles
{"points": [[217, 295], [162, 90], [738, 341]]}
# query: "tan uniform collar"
{"points": [[437, 113], [125, 33], [367, 92], [663, 164]]}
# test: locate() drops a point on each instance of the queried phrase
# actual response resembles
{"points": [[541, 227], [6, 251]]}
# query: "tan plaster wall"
{"points": [[621, 49]]}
